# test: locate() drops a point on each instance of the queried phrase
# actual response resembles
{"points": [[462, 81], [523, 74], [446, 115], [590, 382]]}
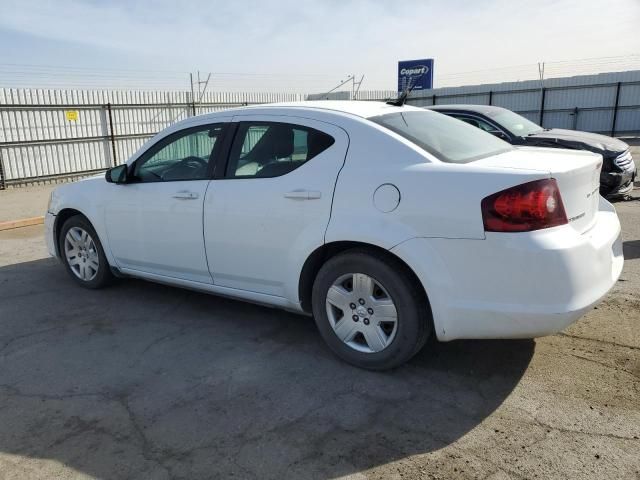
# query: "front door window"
{"points": [[186, 155]]}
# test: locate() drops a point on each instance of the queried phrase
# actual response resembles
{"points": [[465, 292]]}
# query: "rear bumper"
{"points": [[49, 233], [519, 285]]}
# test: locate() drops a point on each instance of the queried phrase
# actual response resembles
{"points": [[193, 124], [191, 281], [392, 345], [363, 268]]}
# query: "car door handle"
{"points": [[184, 195], [303, 194]]}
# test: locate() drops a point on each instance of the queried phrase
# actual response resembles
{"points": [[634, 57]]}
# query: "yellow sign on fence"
{"points": [[72, 115]]}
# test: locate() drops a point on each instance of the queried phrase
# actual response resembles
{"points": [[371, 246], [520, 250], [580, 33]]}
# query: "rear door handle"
{"points": [[184, 195], [303, 194]]}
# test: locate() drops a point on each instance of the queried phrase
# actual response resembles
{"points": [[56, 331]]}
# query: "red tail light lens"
{"points": [[523, 208]]}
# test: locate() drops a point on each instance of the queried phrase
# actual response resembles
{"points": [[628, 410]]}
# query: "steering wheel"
{"points": [[185, 168], [192, 161]]}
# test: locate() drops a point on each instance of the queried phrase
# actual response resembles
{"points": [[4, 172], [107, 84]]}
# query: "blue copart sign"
{"points": [[418, 72]]}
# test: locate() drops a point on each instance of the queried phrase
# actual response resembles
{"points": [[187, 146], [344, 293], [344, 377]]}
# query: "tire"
{"points": [[84, 260], [378, 343]]}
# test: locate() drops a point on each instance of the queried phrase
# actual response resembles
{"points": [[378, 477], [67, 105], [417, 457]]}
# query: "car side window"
{"points": [[468, 120], [185, 155], [477, 122], [270, 149]]}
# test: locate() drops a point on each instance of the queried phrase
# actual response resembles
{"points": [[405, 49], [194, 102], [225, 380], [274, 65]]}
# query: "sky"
{"points": [[308, 46]]}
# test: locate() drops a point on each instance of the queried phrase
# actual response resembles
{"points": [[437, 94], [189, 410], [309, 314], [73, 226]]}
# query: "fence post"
{"points": [[3, 184], [544, 91], [112, 137], [615, 110], [490, 97], [575, 117]]}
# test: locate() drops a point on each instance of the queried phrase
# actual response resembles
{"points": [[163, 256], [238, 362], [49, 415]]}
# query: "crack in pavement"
{"points": [[9, 342], [597, 340], [147, 447], [606, 365], [539, 423]]}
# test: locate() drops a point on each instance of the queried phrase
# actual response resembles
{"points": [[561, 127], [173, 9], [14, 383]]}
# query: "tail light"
{"points": [[530, 206]]}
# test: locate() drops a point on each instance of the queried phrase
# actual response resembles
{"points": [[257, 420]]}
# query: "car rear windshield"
{"points": [[446, 138]]}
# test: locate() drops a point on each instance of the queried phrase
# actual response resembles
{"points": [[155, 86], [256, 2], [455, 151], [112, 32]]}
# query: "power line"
{"points": [[530, 71], [99, 70], [56, 76]]}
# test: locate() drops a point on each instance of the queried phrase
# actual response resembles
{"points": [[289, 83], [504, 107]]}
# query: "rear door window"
{"points": [[272, 149]]}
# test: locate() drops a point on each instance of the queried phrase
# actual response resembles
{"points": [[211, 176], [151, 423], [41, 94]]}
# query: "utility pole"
{"points": [[541, 75], [193, 99], [204, 89], [349, 79], [357, 87], [201, 93]]}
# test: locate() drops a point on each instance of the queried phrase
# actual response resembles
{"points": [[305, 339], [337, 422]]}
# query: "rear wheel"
{"points": [[369, 311], [82, 253]]}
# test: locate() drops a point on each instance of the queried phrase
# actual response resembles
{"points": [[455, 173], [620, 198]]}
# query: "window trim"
{"points": [[221, 165], [233, 142], [216, 155]]}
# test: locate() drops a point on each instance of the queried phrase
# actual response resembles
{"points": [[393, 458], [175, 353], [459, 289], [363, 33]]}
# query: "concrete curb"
{"points": [[25, 222]]}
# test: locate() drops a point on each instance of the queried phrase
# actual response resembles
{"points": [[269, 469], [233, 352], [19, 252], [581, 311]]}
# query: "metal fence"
{"points": [[47, 135], [606, 103]]}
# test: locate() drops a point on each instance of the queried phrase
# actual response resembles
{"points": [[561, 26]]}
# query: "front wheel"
{"points": [[82, 253], [369, 310]]}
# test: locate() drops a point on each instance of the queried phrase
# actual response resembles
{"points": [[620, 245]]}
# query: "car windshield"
{"points": [[516, 124], [446, 138]]}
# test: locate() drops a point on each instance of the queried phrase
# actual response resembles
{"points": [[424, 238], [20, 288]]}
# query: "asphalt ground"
{"points": [[146, 381]]}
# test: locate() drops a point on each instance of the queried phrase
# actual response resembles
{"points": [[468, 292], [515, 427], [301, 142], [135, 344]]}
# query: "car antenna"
{"points": [[400, 101]]}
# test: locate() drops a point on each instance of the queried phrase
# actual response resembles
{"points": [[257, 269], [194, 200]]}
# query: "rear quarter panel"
{"points": [[437, 200]]}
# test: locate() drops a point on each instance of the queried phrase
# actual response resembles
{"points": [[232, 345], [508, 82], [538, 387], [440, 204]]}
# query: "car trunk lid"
{"points": [[577, 174]]}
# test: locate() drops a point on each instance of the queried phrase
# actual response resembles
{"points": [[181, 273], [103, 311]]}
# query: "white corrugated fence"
{"points": [[52, 134]]}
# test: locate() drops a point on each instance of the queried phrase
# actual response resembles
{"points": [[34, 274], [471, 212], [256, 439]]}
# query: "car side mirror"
{"points": [[117, 174]]}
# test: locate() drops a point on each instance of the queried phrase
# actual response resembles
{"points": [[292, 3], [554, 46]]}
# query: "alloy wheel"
{"points": [[81, 254], [362, 313]]}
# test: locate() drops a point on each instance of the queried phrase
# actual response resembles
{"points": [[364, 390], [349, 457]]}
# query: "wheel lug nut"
{"points": [[355, 318], [361, 301], [366, 321], [353, 306], [370, 310]]}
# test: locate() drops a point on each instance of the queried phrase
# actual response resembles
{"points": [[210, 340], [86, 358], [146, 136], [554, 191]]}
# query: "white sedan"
{"points": [[387, 223]]}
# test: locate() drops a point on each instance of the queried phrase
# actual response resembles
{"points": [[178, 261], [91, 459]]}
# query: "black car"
{"points": [[618, 168]]}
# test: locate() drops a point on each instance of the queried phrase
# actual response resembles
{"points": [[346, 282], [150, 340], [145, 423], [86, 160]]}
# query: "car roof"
{"points": [[484, 109], [360, 108], [354, 110]]}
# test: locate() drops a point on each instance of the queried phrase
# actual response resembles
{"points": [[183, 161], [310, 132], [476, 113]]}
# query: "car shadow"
{"points": [[631, 249], [146, 381]]}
